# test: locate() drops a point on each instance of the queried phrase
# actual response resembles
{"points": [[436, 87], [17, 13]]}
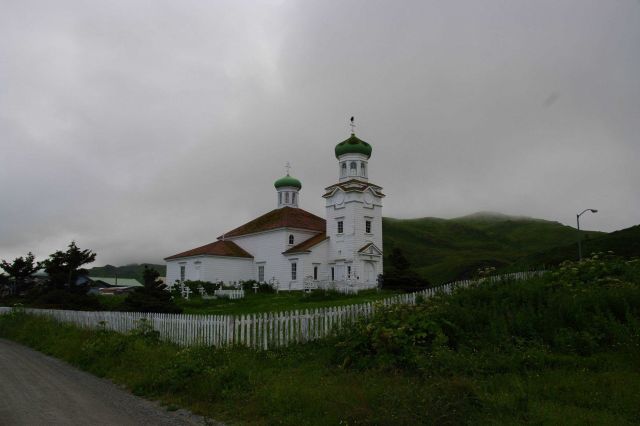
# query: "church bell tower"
{"points": [[354, 216]]}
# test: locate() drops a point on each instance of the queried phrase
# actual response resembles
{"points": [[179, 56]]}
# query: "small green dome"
{"points": [[353, 145], [288, 181]]}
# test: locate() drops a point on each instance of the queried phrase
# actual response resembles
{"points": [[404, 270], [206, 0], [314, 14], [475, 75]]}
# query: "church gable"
{"points": [[307, 245], [285, 217], [370, 249]]}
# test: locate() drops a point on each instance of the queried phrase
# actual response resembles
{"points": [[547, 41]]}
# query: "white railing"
{"points": [[229, 294], [259, 331], [345, 286]]}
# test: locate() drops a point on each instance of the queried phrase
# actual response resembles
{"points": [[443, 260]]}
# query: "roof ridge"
{"points": [[283, 217]]}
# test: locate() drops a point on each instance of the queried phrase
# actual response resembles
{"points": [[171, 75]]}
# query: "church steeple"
{"points": [[288, 189], [353, 155]]}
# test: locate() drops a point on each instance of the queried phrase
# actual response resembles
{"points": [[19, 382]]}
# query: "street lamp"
{"points": [[579, 235]]}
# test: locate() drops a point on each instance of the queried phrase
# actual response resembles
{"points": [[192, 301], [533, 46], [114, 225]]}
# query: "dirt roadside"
{"points": [[36, 389]]}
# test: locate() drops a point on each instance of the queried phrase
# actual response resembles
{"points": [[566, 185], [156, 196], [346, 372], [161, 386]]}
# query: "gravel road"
{"points": [[36, 389]]}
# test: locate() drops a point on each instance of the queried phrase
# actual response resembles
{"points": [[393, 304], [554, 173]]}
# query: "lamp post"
{"points": [[579, 235]]}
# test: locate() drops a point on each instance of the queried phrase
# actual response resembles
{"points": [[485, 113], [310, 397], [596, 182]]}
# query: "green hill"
{"points": [[444, 250], [133, 270], [625, 242], [448, 249]]}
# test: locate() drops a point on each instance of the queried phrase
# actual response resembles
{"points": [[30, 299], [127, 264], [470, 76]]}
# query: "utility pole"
{"points": [[580, 235]]}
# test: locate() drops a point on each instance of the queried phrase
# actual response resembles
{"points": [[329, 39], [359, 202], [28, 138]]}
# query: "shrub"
{"points": [[65, 299], [248, 285], [581, 308], [405, 280], [152, 297], [395, 337], [266, 288], [209, 287]]}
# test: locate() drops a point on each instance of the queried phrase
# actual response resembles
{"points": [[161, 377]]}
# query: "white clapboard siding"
{"points": [[258, 331]]}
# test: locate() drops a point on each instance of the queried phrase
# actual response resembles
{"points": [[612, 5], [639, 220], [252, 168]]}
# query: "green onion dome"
{"points": [[353, 145], [288, 181]]}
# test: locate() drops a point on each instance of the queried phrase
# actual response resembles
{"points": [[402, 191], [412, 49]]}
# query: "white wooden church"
{"points": [[289, 246]]}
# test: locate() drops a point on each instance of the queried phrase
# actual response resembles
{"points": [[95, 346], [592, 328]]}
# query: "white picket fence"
{"points": [[259, 331], [229, 294], [345, 286]]}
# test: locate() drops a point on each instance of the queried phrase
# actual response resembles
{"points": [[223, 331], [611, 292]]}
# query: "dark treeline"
{"points": [[65, 284]]}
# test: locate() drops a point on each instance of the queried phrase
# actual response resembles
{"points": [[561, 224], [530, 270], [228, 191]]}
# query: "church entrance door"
{"points": [[339, 272], [370, 272]]}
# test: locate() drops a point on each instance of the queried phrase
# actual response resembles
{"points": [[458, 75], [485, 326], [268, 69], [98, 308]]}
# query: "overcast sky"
{"points": [[144, 128]]}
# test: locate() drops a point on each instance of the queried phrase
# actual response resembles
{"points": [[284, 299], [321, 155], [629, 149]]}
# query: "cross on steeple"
{"points": [[287, 167], [353, 126]]}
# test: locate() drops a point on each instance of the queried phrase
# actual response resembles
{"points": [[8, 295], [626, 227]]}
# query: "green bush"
{"points": [[151, 297], [194, 286], [404, 280], [397, 336], [65, 299], [580, 308]]}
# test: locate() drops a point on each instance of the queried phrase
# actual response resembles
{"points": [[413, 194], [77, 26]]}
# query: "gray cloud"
{"points": [[141, 129]]}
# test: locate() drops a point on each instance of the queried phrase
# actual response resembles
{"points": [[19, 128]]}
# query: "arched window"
{"points": [[279, 197], [291, 239], [286, 198], [293, 198], [343, 170], [353, 169], [363, 169]]}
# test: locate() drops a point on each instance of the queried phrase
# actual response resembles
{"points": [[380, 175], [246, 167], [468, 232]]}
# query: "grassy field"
{"points": [[563, 349], [263, 302], [302, 385]]}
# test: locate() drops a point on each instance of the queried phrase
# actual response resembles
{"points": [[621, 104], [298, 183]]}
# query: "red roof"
{"points": [[306, 245], [218, 248], [285, 217]]}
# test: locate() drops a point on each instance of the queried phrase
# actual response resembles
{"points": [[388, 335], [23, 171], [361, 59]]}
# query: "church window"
{"points": [[367, 226], [286, 198], [291, 239], [343, 170], [353, 169], [183, 269], [261, 273], [315, 273], [363, 169], [294, 271], [333, 273], [279, 197], [349, 271], [340, 227], [293, 198]]}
